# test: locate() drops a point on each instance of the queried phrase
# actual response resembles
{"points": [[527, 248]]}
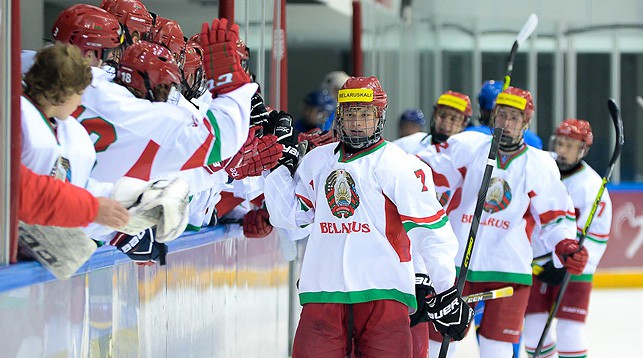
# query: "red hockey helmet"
{"points": [[107, 5], [168, 33], [193, 80], [146, 65], [456, 100], [359, 94], [134, 17], [88, 28], [577, 129], [517, 98]]}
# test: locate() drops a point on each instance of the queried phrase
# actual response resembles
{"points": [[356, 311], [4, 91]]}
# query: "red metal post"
{"points": [[226, 10], [16, 91], [358, 55]]}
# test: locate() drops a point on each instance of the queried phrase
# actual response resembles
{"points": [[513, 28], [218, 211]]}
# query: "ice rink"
{"points": [[614, 326]]}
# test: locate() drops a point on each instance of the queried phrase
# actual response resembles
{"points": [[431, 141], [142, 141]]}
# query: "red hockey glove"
{"points": [[571, 256], [247, 151], [316, 138], [222, 64], [256, 224], [267, 157]]}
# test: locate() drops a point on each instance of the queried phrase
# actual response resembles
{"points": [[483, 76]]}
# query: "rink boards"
{"points": [[218, 296]]}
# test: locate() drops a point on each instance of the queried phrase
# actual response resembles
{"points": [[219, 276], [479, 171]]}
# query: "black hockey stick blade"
{"points": [[473, 231], [615, 113]]}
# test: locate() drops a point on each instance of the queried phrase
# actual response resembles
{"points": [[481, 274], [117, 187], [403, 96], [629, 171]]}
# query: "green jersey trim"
{"points": [[358, 297]]}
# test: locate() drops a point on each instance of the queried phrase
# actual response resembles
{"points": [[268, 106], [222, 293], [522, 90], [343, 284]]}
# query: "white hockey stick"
{"points": [[62, 251], [523, 35]]}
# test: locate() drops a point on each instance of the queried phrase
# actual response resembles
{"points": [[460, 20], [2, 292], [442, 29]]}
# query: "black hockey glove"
{"points": [[423, 291], [141, 248], [258, 112], [449, 313], [551, 275], [288, 137]]}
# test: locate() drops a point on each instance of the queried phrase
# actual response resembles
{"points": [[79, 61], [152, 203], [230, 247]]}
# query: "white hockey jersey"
{"points": [[583, 186], [141, 139], [60, 149], [366, 211], [525, 191], [414, 143]]}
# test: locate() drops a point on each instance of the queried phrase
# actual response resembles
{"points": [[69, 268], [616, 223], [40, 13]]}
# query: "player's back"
{"points": [[127, 131]]}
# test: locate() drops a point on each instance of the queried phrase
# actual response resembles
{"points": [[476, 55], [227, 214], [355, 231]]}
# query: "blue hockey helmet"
{"points": [[488, 94], [413, 116], [321, 100]]}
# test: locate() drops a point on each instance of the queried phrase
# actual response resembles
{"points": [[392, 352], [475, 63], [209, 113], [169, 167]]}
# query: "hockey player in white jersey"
{"points": [[571, 142], [367, 203], [525, 192], [450, 116]]}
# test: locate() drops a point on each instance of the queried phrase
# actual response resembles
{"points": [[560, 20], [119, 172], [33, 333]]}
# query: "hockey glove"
{"points": [[288, 137], [267, 157], [142, 248], [423, 291], [233, 165], [449, 313], [572, 256], [162, 203], [221, 61], [256, 224], [551, 275], [258, 112], [317, 138]]}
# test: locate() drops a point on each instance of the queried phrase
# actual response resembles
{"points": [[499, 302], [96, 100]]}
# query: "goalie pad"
{"points": [[162, 204], [62, 251]]}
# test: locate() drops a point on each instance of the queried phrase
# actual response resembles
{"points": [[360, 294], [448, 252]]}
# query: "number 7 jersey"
{"points": [[138, 138], [366, 212]]}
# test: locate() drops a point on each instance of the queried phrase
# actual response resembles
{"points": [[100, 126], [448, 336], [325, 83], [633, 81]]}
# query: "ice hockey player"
{"points": [[570, 143], [367, 203], [486, 100], [411, 121], [525, 192], [450, 116]]}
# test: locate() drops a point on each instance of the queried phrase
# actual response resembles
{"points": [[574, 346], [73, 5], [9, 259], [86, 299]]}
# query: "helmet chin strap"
{"points": [[510, 147], [438, 137], [566, 169]]}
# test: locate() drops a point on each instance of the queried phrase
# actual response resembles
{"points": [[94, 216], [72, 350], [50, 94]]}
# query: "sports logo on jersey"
{"points": [[498, 196], [340, 193]]}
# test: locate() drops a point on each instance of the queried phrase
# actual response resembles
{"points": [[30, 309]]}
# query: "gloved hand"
{"points": [[317, 138], [449, 313], [256, 224], [572, 256], [142, 248], [551, 275], [267, 156], [423, 291], [258, 112], [221, 61], [288, 137], [248, 149]]}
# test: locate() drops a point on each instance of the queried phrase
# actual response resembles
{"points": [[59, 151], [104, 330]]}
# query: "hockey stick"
{"points": [[523, 35], [477, 213], [62, 251], [618, 126], [489, 295]]}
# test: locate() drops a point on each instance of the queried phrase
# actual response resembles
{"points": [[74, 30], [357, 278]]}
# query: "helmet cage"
{"points": [[354, 131], [563, 144]]}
